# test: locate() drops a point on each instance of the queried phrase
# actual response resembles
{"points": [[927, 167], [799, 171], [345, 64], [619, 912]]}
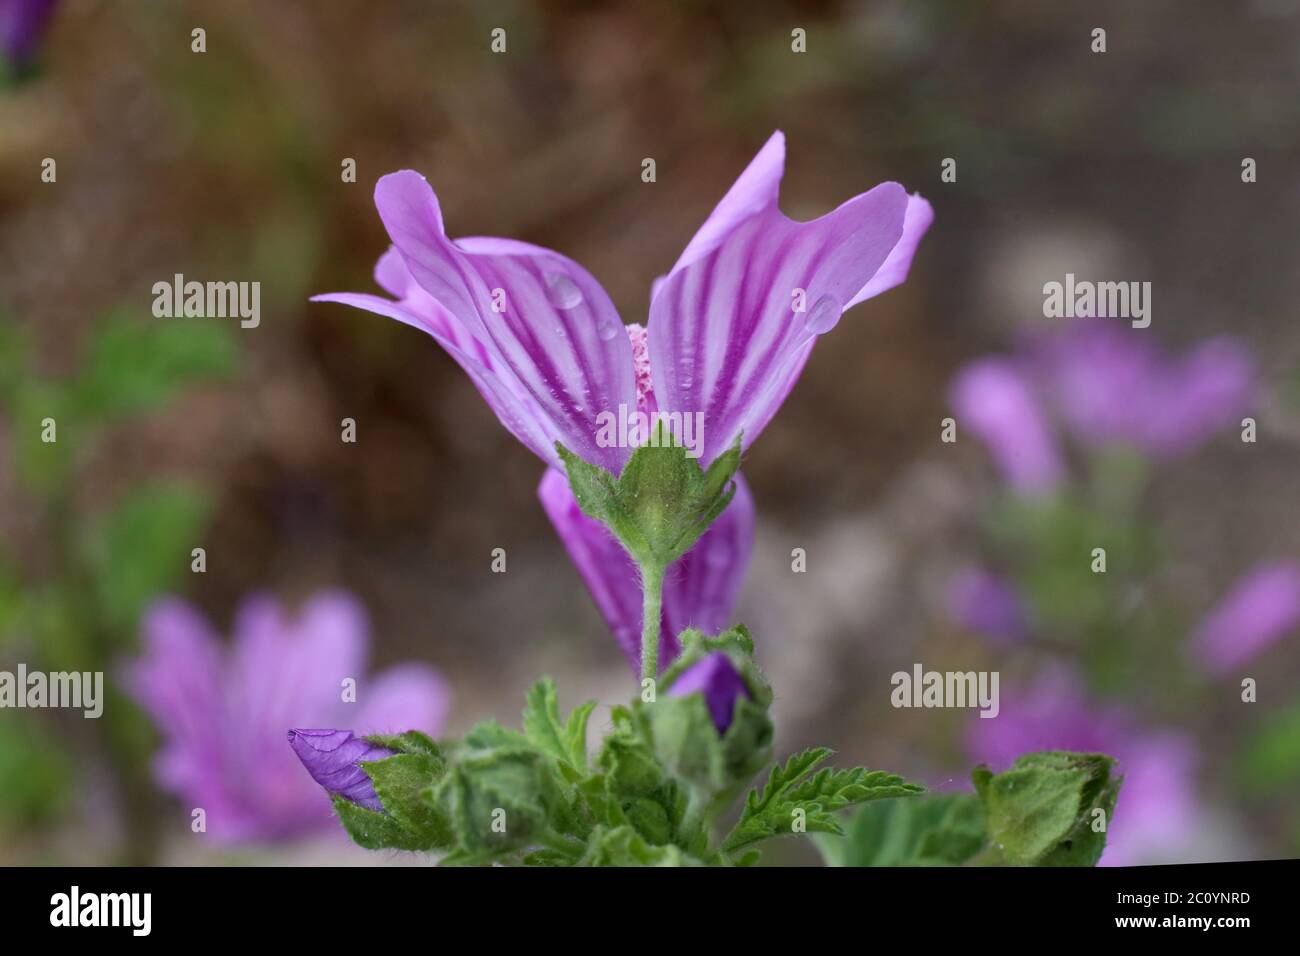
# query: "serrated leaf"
{"points": [[794, 794], [575, 734]]}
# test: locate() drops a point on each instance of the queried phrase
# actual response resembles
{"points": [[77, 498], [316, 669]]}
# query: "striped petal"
{"points": [[537, 313], [735, 320]]}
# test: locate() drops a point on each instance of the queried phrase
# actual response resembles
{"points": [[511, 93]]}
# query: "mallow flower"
{"points": [[334, 758], [699, 591], [1114, 385], [717, 679], [1158, 813], [223, 711], [729, 328], [1259, 610]]}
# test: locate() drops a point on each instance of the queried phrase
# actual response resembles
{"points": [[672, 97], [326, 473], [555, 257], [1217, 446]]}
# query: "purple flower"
{"points": [[223, 711], [729, 330], [986, 603], [1261, 608], [700, 589], [1157, 816], [1114, 386], [22, 26], [993, 398], [334, 757], [717, 679]]}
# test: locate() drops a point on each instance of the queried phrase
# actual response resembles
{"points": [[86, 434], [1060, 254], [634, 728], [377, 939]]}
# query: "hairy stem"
{"points": [[652, 586]]}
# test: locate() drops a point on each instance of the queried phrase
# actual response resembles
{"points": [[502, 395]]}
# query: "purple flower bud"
{"points": [[1261, 608], [333, 759], [721, 684]]}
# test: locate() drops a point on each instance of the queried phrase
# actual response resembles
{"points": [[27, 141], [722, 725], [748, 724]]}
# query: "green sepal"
{"points": [[661, 502], [1042, 811], [375, 831], [402, 783]]}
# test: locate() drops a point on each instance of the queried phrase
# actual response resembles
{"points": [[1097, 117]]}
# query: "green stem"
{"points": [[652, 586]]}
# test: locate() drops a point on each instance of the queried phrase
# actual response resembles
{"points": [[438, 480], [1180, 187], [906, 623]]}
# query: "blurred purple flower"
{"points": [[1157, 814], [993, 398], [223, 712], [334, 758], [22, 27], [717, 679], [545, 346], [1262, 607], [986, 603], [1114, 386], [700, 589]]}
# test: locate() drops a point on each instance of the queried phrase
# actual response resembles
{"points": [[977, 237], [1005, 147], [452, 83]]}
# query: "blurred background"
{"points": [[179, 434]]}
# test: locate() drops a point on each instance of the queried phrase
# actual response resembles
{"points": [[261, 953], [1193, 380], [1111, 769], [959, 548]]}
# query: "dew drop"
{"points": [[607, 327], [562, 291], [824, 315]]}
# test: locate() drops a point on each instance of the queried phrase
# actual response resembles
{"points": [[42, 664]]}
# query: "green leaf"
{"points": [[942, 829], [575, 734], [623, 846], [661, 503], [499, 800], [794, 797], [1043, 811], [143, 547], [136, 365]]}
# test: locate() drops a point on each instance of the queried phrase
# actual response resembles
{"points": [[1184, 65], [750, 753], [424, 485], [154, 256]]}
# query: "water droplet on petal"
{"points": [[562, 291], [607, 327], [824, 315]]}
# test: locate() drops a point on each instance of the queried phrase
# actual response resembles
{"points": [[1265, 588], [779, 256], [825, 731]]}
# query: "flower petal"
{"points": [[541, 314], [995, 401], [512, 405], [407, 697], [732, 325], [717, 679], [1262, 608], [700, 590], [333, 759], [915, 223]]}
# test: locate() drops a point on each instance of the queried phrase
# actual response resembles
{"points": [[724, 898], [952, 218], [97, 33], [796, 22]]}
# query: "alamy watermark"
{"points": [[961, 689], [1084, 299], [203, 300], [634, 428], [78, 690]]}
